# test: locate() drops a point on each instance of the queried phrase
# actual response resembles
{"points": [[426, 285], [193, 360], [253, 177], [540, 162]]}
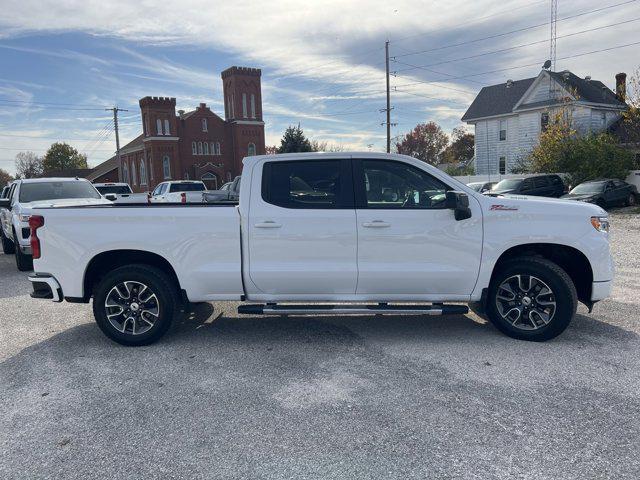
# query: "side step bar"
{"points": [[380, 309]]}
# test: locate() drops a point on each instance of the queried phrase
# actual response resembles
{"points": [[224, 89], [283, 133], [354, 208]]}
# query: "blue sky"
{"points": [[63, 62]]}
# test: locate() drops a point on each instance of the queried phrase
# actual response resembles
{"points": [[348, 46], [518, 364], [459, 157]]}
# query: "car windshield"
{"points": [[187, 187], [33, 192], [117, 189], [476, 186], [507, 184], [590, 187]]}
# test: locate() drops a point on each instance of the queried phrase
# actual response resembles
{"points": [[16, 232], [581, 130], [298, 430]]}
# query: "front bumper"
{"points": [[601, 290], [45, 286]]}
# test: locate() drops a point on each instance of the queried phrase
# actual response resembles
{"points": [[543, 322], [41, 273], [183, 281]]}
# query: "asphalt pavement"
{"points": [[223, 396]]}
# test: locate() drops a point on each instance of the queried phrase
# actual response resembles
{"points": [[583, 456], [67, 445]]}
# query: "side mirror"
{"points": [[459, 203], [111, 196], [5, 203]]}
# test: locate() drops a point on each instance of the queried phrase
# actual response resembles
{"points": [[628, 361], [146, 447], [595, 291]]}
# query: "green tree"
{"points": [[294, 141], [5, 177], [28, 165], [62, 156], [426, 142], [580, 157], [317, 146], [461, 148]]}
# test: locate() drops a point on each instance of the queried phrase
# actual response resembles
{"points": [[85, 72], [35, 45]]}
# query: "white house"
{"points": [[509, 117]]}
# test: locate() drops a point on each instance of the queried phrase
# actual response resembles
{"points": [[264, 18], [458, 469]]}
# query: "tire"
{"points": [[530, 311], [151, 315], [8, 247], [24, 262], [631, 201]]}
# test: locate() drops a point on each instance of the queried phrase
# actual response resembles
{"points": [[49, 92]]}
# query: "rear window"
{"points": [[507, 184], [117, 189], [34, 192], [187, 187], [302, 184]]}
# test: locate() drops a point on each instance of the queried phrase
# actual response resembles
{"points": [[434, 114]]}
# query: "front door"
{"points": [[302, 229], [409, 244]]}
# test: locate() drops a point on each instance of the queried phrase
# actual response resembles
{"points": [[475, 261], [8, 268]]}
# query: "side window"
{"points": [[527, 185], [556, 181], [12, 192], [304, 184], [389, 184], [540, 182], [156, 191]]}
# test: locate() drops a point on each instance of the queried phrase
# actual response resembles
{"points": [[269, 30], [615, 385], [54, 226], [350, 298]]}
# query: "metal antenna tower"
{"points": [[554, 34]]}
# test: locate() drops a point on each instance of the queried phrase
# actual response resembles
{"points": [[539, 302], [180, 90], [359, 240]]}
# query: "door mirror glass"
{"points": [[459, 203]]}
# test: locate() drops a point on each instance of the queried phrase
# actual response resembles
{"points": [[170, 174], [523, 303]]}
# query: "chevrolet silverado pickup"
{"points": [[333, 233]]}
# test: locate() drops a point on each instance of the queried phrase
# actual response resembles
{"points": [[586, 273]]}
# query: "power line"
{"points": [[497, 35], [414, 67], [520, 66]]}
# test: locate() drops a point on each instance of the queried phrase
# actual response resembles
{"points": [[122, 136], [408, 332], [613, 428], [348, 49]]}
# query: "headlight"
{"points": [[600, 223], [24, 218]]}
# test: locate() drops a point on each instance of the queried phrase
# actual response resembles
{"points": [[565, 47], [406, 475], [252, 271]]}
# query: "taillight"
{"points": [[183, 197], [35, 222]]}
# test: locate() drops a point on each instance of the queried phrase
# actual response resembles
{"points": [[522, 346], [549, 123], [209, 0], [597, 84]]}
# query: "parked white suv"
{"points": [[24, 195], [178, 191], [120, 192], [363, 233]]}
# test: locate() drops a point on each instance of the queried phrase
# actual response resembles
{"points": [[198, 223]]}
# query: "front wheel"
{"points": [[135, 304], [532, 299], [24, 262], [8, 247], [631, 201]]}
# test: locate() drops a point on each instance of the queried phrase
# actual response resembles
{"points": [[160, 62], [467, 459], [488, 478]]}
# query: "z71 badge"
{"points": [[506, 208]]}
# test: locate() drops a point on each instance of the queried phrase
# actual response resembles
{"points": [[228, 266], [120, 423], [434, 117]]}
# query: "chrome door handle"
{"points": [[376, 224], [267, 224]]}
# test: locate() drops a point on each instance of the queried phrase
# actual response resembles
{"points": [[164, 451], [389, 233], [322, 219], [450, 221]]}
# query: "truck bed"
{"points": [[200, 241]]}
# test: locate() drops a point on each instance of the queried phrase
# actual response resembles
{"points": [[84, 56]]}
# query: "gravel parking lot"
{"points": [[364, 397]]}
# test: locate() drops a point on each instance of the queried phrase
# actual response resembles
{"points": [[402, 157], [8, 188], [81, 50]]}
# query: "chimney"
{"points": [[181, 113], [621, 86]]}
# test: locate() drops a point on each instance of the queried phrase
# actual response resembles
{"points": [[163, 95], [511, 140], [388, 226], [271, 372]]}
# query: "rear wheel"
{"points": [[531, 298], [135, 305], [631, 200], [8, 247]]}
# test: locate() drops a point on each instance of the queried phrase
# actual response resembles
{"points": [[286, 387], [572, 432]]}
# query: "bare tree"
{"points": [[28, 165]]}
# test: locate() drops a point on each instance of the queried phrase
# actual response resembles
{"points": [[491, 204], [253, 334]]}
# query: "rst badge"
{"points": [[501, 207]]}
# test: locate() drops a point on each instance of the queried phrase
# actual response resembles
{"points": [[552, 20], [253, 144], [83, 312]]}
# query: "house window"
{"points": [[186, 175], [217, 148], [125, 172], [603, 119], [204, 124], [206, 148], [134, 179], [233, 107], [194, 148], [159, 126], [503, 165], [166, 167], [145, 125], [143, 173], [199, 148], [544, 121], [166, 127], [228, 176], [151, 167], [253, 106], [244, 105], [251, 149], [503, 130], [212, 148]]}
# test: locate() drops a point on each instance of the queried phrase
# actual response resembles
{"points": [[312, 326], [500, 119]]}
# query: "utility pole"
{"points": [[115, 111], [386, 51]]}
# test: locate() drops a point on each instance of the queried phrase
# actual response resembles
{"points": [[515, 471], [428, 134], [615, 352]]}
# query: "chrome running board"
{"points": [[379, 309]]}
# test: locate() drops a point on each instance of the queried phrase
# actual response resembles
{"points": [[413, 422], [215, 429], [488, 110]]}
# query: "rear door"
{"points": [[409, 244], [302, 229], [542, 187]]}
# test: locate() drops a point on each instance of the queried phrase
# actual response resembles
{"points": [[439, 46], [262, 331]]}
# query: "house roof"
{"points": [[497, 99], [71, 173], [112, 163], [501, 99]]}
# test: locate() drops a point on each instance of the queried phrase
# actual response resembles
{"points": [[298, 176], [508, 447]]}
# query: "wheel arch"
{"points": [[570, 259], [104, 262]]}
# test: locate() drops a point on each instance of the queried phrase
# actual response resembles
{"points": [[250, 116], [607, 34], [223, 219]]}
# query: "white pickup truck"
{"points": [[178, 191], [363, 233]]}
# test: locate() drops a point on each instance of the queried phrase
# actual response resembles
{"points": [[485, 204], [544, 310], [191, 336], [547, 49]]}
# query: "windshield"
{"points": [[117, 189], [187, 187], [476, 186], [507, 184], [34, 192], [591, 187]]}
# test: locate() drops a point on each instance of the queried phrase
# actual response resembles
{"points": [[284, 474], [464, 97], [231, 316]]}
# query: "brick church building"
{"points": [[195, 145]]}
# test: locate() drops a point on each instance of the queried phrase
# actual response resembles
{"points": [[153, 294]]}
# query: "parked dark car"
{"points": [[481, 187], [605, 193], [539, 186]]}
